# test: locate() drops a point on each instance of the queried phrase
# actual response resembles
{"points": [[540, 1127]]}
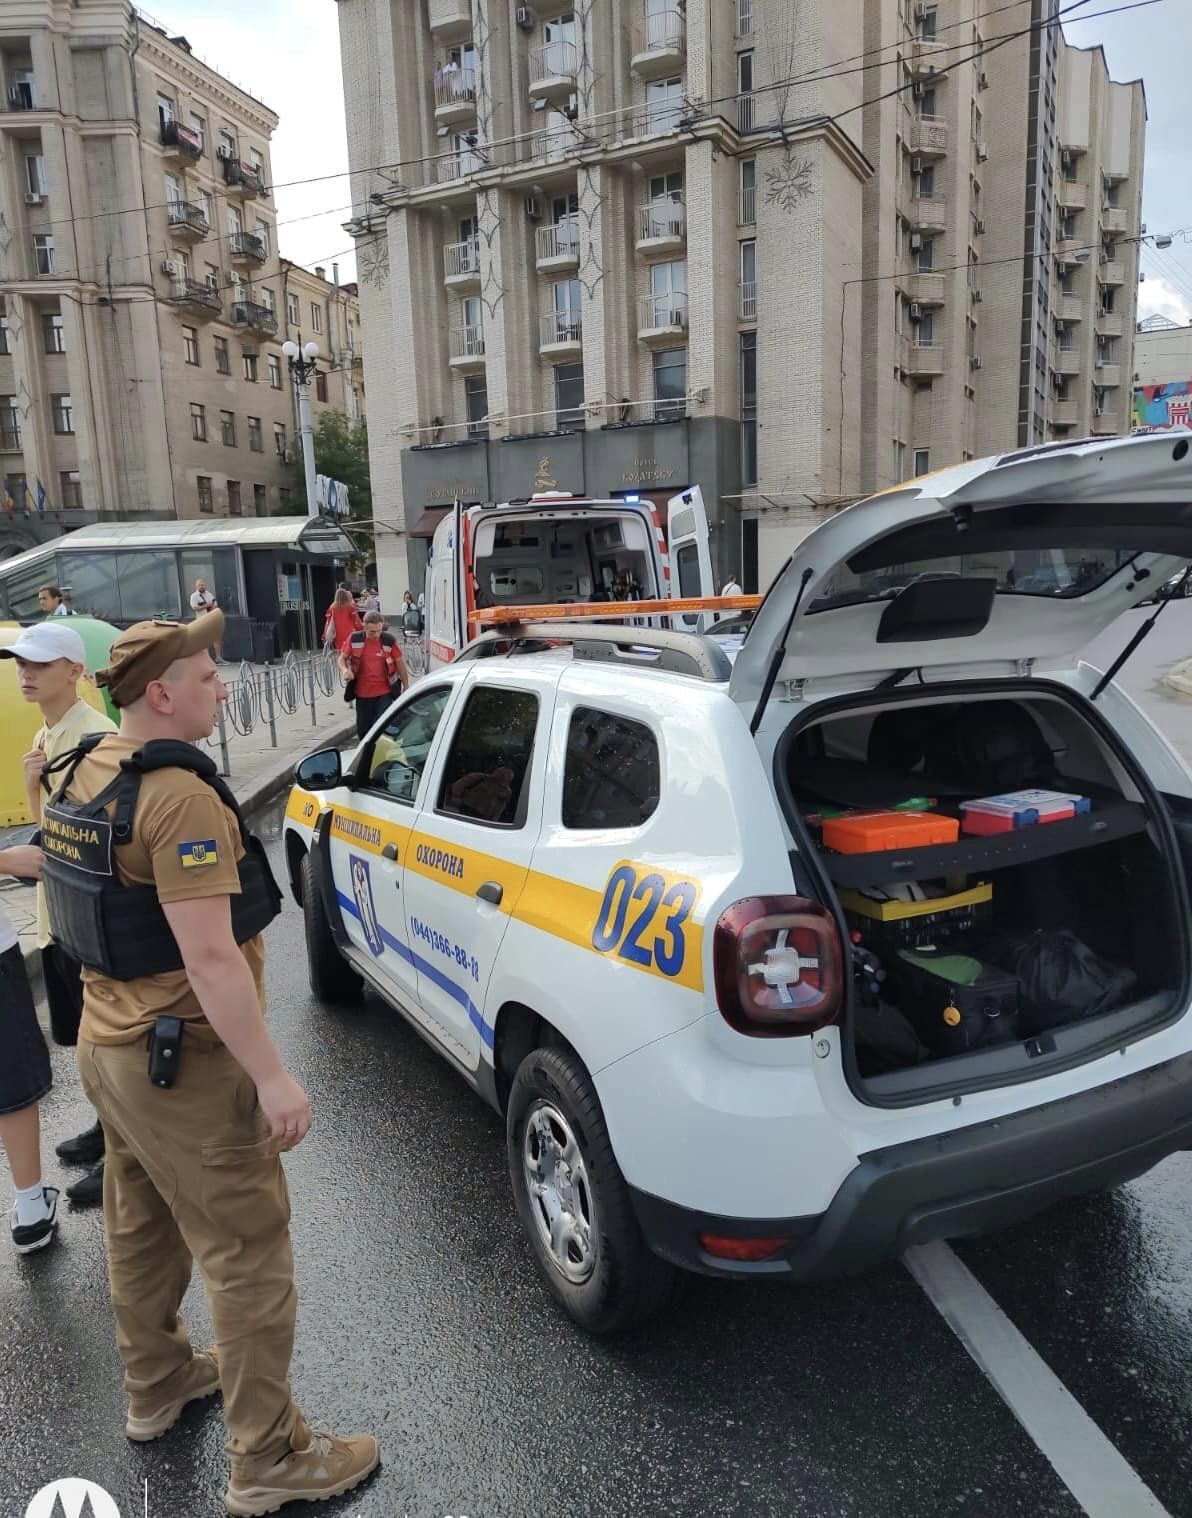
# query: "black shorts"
{"points": [[24, 1059]]}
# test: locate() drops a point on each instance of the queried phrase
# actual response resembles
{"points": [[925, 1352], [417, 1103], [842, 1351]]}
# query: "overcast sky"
{"points": [[286, 52]]}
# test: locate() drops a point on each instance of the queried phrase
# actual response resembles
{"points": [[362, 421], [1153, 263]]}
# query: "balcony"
{"points": [[552, 71], [455, 95], [465, 348], [662, 319], [659, 46], [927, 137], [242, 179], [180, 143], [247, 248], [748, 306], [461, 265], [746, 113], [1065, 361], [1107, 376], [927, 55], [1108, 324], [1113, 219], [1065, 413], [450, 20], [254, 317], [1112, 272], [455, 166], [1069, 308], [556, 247], [926, 360], [186, 219], [661, 228], [10, 439], [1072, 196], [561, 335], [1068, 252], [195, 298], [554, 145], [926, 289], [929, 213], [1104, 424]]}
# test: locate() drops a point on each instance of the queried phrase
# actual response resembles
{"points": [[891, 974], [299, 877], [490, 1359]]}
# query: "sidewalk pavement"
{"points": [[258, 772]]}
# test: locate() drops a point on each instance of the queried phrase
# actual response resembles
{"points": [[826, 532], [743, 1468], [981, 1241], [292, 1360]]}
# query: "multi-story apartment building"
{"points": [[141, 371], [788, 250]]}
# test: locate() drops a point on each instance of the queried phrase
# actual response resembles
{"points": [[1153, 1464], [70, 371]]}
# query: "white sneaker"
{"points": [[27, 1237]]}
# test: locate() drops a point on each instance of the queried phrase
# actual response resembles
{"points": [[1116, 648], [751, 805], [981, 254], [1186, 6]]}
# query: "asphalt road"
{"points": [[421, 1318]]}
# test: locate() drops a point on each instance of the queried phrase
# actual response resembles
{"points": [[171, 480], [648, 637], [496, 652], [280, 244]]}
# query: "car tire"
{"points": [[599, 1267], [332, 979]]}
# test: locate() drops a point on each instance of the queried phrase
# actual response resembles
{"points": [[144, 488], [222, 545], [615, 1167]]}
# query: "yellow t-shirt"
{"points": [[187, 844], [66, 734]]}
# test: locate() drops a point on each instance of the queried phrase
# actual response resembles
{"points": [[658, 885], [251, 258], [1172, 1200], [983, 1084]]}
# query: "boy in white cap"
{"points": [[50, 662]]}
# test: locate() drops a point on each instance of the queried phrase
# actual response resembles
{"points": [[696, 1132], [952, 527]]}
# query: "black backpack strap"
{"points": [[69, 762], [170, 753]]}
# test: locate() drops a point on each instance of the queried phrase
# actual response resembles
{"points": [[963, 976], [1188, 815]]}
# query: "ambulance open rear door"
{"points": [[690, 556]]}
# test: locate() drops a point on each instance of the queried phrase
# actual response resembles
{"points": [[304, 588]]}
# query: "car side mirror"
{"points": [[320, 772]]}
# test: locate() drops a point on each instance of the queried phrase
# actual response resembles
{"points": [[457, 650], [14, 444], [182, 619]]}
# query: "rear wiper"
{"points": [[1141, 634]]}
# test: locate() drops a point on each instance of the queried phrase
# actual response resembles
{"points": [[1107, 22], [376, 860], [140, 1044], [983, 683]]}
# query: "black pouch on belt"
{"points": [[165, 1051]]}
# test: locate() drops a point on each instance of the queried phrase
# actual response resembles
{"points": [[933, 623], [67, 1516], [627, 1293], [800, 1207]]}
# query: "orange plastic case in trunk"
{"points": [[872, 832]]}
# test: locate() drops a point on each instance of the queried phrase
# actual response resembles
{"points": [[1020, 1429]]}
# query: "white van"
{"points": [[561, 549]]}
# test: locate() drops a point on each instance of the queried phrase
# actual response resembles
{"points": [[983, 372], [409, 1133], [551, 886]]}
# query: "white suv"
{"points": [[617, 884]]}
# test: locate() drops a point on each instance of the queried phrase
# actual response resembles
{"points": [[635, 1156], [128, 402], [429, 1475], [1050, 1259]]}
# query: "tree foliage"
{"points": [[341, 451]]}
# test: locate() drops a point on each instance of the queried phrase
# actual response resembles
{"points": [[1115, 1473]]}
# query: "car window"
{"points": [[395, 759], [612, 774], [486, 776]]}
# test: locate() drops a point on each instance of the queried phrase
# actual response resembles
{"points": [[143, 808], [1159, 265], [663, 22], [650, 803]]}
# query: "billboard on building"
{"points": [[1167, 405]]}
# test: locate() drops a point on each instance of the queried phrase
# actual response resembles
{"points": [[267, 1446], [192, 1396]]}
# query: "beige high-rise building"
{"points": [[141, 372], [788, 250]]}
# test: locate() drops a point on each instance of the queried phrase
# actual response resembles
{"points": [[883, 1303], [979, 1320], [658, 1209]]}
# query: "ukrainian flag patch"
{"points": [[193, 855]]}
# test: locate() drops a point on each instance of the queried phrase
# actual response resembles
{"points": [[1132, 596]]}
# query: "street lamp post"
{"points": [[302, 370]]}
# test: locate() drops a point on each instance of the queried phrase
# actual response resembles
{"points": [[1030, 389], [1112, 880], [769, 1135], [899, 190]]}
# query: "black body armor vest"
{"points": [[121, 930]]}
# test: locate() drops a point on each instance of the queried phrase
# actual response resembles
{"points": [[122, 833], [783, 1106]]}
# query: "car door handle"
{"points": [[389, 852], [491, 891]]}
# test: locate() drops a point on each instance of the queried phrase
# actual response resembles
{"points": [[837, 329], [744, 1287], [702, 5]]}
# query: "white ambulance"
{"points": [[717, 940]]}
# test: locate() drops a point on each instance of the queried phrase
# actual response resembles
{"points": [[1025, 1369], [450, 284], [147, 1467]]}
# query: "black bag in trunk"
{"points": [[955, 1004], [1063, 980]]}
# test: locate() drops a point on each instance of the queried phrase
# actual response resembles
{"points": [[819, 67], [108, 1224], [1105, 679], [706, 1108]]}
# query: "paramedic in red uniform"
{"points": [[371, 660]]}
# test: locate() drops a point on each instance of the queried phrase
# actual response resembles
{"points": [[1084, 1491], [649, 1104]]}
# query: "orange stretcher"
{"points": [[505, 616]]}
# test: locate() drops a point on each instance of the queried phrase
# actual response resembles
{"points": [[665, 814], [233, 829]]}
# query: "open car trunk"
{"points": [[988, 957]]}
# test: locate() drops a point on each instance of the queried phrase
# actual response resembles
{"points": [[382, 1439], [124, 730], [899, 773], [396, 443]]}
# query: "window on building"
{"points": [[899, 462], [265, 233], [495, 736], [257, 159], [316, 316], [70, 490], [476, 404], [745, 97], [976, 121], [235, 509], [211, 277], [1067, 338], [165, 111], [227, 428], [43, 253], [925, 330], [927, 180], [223, 359], [664, 104], [274, 372], [922, 462], [175, 191], [256, 438], [10, 424], [928, 20], [926, 253], [1068, 163], [53, 333], [250, 368], [198, 422], [206, 498], [284, 498], [569, 397], [279, 439], [1110, 193], [190, 345], [293, 310], [227, 145], [748, 362], [199, 127], [259, 503], [747, 208], [62, 410], [748, 256], [612, 773], [927, 103], [670, 383], [5, 346], [207, 201], [35, 174]]}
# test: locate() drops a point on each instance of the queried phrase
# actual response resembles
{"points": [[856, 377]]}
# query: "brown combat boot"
{"points": [[146, 1423], [318, 1466]]}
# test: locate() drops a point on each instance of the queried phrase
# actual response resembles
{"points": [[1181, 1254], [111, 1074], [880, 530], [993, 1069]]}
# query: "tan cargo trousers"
{"points": [[191, 1175]]}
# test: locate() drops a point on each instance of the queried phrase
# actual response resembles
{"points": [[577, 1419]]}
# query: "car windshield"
{"points": [[1060, 573]]}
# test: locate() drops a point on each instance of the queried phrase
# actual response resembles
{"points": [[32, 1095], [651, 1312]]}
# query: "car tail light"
{"points": [[723, 1248], [777, 963]]}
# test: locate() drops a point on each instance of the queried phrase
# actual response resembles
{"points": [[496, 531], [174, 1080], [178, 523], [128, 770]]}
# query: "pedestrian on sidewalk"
{"points": [[194, 1172], [50, 663], [203, 603], [375, 671], [53, 602], [24, 1077], [342, 620]]}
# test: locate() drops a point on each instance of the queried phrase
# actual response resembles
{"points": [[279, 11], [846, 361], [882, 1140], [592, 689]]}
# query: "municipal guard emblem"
{"points": [[362, 891]]}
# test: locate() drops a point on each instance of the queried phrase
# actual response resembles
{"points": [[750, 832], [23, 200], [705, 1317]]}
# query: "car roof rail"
{"points": [[680, 653]]}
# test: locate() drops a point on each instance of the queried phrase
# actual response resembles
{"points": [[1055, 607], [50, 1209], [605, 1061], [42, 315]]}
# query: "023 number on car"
{"points": [[643, 917]]}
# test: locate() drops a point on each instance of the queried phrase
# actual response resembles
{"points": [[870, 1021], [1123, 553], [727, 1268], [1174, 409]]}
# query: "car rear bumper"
{"points": [[968, 1181]]}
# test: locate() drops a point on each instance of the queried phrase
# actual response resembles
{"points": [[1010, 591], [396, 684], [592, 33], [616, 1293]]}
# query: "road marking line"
{"points": [[1089, 1465]]}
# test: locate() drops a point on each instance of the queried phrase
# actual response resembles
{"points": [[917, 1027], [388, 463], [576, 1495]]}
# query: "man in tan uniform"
{"points": [[193, 1171]]}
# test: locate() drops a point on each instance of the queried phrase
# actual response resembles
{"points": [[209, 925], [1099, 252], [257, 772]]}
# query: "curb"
{"points": [[254, 793]]}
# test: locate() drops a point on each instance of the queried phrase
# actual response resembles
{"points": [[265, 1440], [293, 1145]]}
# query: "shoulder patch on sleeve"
{"points": [[202, 851]]}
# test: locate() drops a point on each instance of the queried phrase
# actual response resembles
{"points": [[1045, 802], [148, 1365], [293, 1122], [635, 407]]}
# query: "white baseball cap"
{"points": [[44, 642]]}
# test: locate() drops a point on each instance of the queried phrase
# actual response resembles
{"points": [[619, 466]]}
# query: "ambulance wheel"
{"points": [[331, 978], [573, 1201]]}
